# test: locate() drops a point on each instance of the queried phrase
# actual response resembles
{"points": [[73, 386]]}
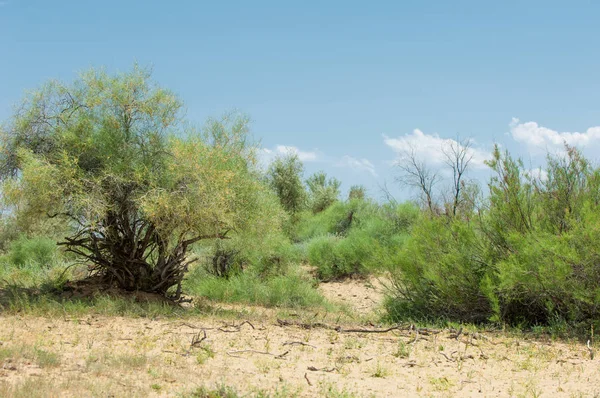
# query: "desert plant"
{"points": [[40, 251], [323, 191], [109, 156], [285, 178]]}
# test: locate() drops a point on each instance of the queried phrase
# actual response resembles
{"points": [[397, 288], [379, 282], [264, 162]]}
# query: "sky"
{"points": [[349, 86]]}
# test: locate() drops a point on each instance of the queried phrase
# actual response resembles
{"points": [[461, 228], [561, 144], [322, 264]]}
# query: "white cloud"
{"points": [[538, 173], [429, 148], [302, 155], [267, 155], [357, 164], [542, 138]]}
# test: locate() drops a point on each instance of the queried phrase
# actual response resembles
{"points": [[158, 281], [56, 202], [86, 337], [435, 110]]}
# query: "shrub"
{"points": [[39, 251], [323, 191], [530, 257], [139, 185], [285, 178], [439, 274], [289, 290]]}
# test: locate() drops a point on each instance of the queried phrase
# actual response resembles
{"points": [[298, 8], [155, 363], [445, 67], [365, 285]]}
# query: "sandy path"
{"points": [[362, 296]]}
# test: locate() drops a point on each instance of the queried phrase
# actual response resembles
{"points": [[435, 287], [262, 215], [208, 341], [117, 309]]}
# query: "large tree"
{"points": [[111, 156]]}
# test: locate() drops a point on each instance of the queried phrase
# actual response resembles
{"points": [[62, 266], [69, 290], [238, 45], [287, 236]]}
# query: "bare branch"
{"points": [[415, 173]]}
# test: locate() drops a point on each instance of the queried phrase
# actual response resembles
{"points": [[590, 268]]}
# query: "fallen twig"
{"points": [[235, 328], [196, 340], [308, 381], [397, 327], [328, 370], [278, 356], [298, 343]]}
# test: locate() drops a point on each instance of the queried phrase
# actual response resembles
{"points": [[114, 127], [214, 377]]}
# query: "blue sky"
{"points": [[350, 85]]}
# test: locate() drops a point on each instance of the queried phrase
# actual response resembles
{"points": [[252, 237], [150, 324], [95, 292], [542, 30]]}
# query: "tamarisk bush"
{"points": [[112, 158]]}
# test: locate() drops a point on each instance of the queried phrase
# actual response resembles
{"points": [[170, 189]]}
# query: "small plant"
{"points": [[221, 391], [380, 371], [205, 354], [39, 251], [441, 383], [403, 350], [46, 359]]}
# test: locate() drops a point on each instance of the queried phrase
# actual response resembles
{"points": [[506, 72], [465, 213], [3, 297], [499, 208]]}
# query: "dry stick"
{"points": [[446, 356], [299, 343], [328, 370], [280, 356], [308, 381], [196, 340], [235, 328]]}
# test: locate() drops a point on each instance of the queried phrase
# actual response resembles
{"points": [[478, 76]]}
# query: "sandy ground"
{"points": [[125, 357], [363, 296]]}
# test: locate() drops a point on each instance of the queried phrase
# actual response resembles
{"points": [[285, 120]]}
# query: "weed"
{"points": [[403, 350], [380, 371]]}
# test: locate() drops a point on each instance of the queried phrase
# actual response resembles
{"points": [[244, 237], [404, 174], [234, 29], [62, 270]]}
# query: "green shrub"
{"points": [[529, 257], [38, 251], [321, 254], [439, 274], [290, 290], [356, 237]]}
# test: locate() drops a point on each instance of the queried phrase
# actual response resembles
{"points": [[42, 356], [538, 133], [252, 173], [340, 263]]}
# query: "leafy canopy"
{"points": [[111, 156]]}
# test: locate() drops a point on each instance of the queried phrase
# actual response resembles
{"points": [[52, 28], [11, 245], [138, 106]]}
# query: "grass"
{"points": [[221, 391], [41, 357], [35, 290], [292, 290]]}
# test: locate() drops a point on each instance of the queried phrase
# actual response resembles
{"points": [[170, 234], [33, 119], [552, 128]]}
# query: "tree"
{"points": [[285, 178], [358, 192], [323, 191], [415, 173], [462, 194], [109, 156], [458, 157]]}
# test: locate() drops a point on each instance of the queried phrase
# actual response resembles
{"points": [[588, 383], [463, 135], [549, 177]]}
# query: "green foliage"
{"points": [[286, 290], [38, 251], [529, 258], [109, 156], [323, 192], [439, 272], [221, 391], [356, 237], [357, 192], [285, 178]]}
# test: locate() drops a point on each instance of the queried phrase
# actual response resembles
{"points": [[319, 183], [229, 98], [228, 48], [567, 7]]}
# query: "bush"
{"points": [[439, 274], [290, 290], [39, 251], [529, 257], [356, 237]]}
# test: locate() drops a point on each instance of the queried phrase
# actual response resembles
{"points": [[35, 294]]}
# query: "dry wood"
{"points": [[197, 340]]}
